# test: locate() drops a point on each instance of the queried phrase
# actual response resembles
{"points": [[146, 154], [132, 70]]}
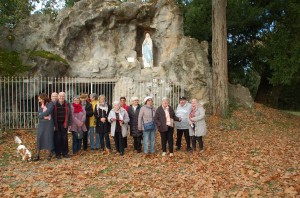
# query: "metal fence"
{"points": [[19, 95]]}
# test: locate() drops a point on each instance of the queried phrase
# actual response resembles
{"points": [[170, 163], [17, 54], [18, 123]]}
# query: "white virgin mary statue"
{"points": [[147, 51]]}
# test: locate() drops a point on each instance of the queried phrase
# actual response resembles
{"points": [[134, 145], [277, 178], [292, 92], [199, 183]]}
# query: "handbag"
{"points": [[79, 134], [150, 125]]}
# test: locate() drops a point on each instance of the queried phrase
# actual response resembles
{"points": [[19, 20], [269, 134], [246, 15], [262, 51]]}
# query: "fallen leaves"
{"points": [[255, 154]]}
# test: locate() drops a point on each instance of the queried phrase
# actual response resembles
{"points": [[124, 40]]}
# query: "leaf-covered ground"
{"points": [[255, 153]]}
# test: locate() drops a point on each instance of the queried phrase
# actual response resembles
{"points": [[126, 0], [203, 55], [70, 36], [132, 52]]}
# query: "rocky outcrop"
{"points": [[98, 37], [240, 95]]}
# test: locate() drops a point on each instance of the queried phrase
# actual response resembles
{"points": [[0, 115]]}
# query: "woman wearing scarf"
{"points": [[118, 117], [78, 115], [164, 120], [101, 112], [197, 124]]}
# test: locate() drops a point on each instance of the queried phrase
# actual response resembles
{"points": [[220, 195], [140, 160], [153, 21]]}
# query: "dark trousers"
{"points": [[125, 142], [61, 140], [180, 132], [107, 140], [199, 140], [119, 141], [85, 140], [76, 143], [53, 149], [167, 136], [137, 143]]}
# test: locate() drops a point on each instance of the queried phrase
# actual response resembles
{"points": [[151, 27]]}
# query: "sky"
{"points": [[59, 3]]}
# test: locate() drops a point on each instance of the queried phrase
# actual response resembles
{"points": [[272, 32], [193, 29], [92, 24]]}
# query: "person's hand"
{"points": [[121, 122], [112, 119], [102, 120]]}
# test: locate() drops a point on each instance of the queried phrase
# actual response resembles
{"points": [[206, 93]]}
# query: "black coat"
{"points": [[89, 113], [160, 118], [100, 126], [134, 117]]}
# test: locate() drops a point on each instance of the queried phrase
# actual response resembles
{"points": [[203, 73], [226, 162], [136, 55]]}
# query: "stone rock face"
{"points": [[97, 37], [241, 95]]}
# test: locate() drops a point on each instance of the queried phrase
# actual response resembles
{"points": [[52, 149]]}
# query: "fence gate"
{"points": [[19, 95]]}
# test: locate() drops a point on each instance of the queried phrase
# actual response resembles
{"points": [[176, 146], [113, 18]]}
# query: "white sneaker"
{"points": [[171, 154], [163, 154]]}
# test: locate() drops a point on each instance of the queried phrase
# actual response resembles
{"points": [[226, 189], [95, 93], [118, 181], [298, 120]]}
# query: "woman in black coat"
{"points": [[101, 112], [133, 112], [164, 120]]}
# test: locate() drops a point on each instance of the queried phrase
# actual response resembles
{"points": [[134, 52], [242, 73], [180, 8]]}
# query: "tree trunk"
{"points": [[219, 58], [263, 90]]}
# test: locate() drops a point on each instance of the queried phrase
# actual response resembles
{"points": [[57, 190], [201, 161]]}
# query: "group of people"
{"points": [[91, 119]]}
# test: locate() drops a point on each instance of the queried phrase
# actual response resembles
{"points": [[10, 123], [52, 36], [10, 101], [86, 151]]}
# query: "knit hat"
{"points": [[147, 98], [134, 98]]}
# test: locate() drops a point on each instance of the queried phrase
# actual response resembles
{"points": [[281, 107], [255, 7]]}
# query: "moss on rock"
{"points": [[48, 55]]}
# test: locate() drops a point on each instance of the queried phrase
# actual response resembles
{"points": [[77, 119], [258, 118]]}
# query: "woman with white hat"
{"points": [[147, 125]]}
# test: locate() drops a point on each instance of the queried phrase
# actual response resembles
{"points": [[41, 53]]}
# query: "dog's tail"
{"points": [[18, 140]]}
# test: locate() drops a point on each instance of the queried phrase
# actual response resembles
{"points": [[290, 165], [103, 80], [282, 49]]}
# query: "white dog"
{"points": [[22, 150]]}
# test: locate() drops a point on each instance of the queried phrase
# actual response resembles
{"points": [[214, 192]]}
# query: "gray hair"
{"points": [[134, 98], [165, 99], [94, 95], [76, 97], [101, 96], [116, 102]]}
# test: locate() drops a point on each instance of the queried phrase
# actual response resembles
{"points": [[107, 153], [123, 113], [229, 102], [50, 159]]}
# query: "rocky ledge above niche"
{"points": [[104, 39]]}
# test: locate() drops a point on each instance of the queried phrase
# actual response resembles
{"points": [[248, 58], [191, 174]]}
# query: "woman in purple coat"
{"points": [[78, 124]]}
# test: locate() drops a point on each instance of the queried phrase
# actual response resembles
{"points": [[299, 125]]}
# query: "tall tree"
{"points": [[219, 58], [11, 11]]}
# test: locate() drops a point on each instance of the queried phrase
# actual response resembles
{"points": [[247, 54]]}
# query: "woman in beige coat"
{"points": [[118, 117], [197, 127]]}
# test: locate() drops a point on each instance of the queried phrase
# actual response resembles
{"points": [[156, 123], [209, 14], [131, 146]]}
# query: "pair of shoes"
{"points": [[163, 154], [37, 158], [66, 156], [122, 153], [171, 154], [138, 151]]}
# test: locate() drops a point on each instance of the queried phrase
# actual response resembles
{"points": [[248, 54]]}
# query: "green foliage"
{"points": [[11, 64], [263, 39], [48, 55], [11, 11], [197, 22], [70, 3], [281, 47]]}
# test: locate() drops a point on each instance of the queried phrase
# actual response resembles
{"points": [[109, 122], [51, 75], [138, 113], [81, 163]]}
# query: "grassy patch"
{"points": [[230, 124], [297, 113], [4, 160], [48, 55], [94, 191]]}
